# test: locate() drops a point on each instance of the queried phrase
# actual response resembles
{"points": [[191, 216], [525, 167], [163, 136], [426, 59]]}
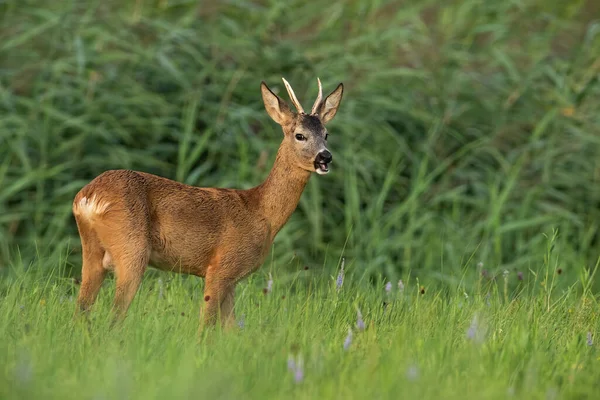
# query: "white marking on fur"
{"points": [[107, 262], [89, 207]]}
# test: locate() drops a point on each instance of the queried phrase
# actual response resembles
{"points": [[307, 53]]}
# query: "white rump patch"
{"points": [[88, 207]]}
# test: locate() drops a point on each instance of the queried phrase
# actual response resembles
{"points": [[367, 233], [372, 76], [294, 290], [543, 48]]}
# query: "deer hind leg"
{"points": [[129, 270], [92, 270], [128, 252]]}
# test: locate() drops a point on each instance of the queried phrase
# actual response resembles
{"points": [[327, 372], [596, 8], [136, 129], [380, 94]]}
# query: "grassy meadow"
{"points": [[466, 164], [407, 342]]}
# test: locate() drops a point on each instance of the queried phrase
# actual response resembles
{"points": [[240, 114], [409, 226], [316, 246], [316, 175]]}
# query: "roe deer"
{"points": [[128, 220]]}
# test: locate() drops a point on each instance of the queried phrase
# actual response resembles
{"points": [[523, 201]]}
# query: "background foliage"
{"points": [[466, 132]]}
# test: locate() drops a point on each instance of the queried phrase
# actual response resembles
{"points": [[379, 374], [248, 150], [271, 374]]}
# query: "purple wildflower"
{"points": [[291, 364], [270, 283], [388, 287], [160, 288], [472, 331], [23, 369], [412, 373], [401, 286], [348, 340], [475, 332], [360, 324], [590, 342], [299, 374], [340, 278], [296, 367]]}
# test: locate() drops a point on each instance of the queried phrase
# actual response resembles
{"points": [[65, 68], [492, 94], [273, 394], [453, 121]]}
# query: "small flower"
{"points": [[348, 340], [466, 295], [291, 364], [401, 286], [568, 111], [360, 324], [475, 332], [412, 373], [520, 275], [241, 322], [505, 274], [23, 369], [270, 283], [340, 278], [589, 342], [299, 373], [388, 287], [472, 331], [160, 288], [480, 264], [296, 368]]}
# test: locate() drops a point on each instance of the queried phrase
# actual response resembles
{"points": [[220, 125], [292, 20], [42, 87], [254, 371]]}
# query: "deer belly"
{"points": [[180, 264]]}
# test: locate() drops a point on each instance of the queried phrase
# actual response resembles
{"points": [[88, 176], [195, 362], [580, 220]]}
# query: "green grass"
{"points": [[506, 339], [465, 131], [466, 145]]}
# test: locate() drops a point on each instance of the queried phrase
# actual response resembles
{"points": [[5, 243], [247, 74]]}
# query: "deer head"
{"points": [[305, 137]]}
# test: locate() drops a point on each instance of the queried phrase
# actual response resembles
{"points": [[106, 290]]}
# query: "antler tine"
{"points": [[293, 96], [317, 104]]}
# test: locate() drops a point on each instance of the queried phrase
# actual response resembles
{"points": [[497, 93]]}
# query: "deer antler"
{"points": [[293, 96], [317, 104]]}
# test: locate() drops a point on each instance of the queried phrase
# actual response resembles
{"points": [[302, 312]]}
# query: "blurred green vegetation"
{"points": [[468, 132]]}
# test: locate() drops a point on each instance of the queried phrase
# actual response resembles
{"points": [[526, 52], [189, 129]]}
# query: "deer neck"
{"points": [[280, 193]]}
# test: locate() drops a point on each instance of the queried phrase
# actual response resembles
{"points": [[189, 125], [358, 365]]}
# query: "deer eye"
{"points": [[300, 137]]}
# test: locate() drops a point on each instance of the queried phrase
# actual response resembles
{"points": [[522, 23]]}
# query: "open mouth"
{"points": [[321, 167]]}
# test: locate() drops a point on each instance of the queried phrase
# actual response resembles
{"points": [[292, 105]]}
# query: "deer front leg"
{"points": [[227, 311], [218, 300]]}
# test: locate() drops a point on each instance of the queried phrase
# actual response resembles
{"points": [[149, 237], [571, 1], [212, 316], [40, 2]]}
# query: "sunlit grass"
{"points": [[466, 158], [525, 342]]}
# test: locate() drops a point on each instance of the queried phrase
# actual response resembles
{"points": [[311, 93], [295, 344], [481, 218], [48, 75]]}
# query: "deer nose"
{"points": [[324, 157]]}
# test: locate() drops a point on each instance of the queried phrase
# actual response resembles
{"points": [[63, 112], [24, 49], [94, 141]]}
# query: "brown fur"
{"points": [[128, 219]]}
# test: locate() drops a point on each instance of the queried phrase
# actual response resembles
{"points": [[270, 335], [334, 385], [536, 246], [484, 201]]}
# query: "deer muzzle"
{"points": [[322, 162]]}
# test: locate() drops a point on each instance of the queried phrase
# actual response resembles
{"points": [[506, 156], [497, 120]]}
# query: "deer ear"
{"points": [[329, 106], [276, 107]]}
